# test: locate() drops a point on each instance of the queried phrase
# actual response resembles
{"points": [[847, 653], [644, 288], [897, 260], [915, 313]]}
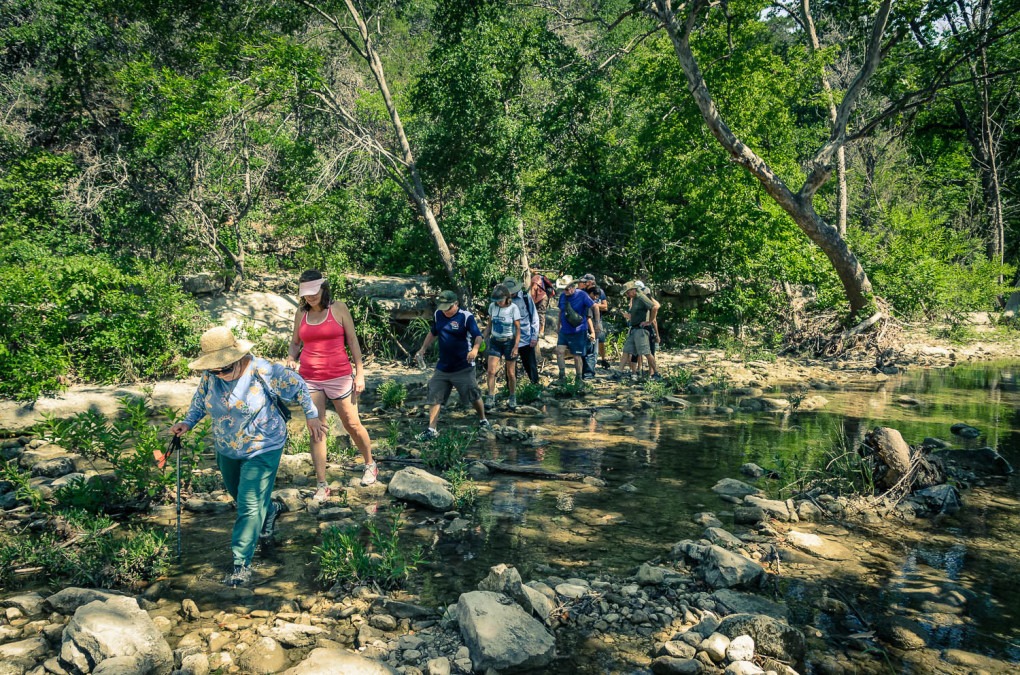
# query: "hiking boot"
{"points": [[322, 493], [371, 474], [512, 403], [656, 376], [604, 363], [269, 524], [484, 424], [634, 377], [240, 576], [427, 435], [490, 402]]}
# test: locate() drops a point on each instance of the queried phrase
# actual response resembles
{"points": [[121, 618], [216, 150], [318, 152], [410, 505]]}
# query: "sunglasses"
{"points": [[221, 371]]}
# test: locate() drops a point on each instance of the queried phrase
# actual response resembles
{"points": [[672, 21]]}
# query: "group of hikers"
{"points": [[245, 396]]}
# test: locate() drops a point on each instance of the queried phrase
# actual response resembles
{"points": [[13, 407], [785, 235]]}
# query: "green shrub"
{"points": [[448, 449], [369, 554], [392, 394], [81, 549], [528, 392], [88, 317], [22, 482], [128, 443]]}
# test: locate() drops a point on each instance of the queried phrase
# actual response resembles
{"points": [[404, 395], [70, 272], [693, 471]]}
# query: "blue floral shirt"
{"points": [[245, 423]]}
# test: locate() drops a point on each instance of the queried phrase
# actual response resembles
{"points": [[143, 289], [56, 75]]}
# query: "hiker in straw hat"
{"points": [[242, 395]]}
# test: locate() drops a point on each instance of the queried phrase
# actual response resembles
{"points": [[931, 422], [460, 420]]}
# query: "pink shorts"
{"points": [[336, 389]]}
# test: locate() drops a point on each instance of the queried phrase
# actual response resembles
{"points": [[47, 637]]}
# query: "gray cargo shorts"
{"points": [[442, 384]]}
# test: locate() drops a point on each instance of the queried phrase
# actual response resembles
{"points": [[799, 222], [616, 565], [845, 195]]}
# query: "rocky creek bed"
{"points": [[596, 580]]}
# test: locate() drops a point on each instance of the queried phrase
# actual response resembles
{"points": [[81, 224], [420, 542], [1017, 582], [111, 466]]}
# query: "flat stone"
{"points": [[500, 635], [572, 591], [668, 665], [818, 546], [420, 486], [332, 661], [734, 488]]}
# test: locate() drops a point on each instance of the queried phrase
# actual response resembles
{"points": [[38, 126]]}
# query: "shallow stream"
{"points": [[666, 461]]}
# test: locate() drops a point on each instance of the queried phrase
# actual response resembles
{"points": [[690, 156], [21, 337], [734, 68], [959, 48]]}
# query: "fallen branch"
{"points": [[500, 467]]}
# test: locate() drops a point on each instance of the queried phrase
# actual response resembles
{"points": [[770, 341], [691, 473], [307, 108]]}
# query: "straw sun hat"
{"points": [[219, 349]]}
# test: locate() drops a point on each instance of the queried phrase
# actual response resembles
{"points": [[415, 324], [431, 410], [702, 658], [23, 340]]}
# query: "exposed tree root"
{"points": [[822, 335]]}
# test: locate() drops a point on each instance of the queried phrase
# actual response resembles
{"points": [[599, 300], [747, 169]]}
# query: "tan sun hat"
{"points": [[564, 281], [629, 286], [220, 348], [512, 285]]}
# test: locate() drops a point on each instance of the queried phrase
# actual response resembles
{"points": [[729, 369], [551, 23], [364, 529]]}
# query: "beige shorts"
{"points": [[637, 342]]}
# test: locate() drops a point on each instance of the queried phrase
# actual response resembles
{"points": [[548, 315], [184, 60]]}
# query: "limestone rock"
{"points": [[817, 546], [668, 665], [422, 487], [500, 635], [263, 657], [116, 626], [295, 634], [734, 488], [29, 603], [735, 602], [325, 661], [772, 637], [780, 510], [741, 648], [718, 567]]}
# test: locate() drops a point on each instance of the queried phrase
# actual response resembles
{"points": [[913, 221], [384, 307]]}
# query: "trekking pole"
{"points": [[161, 457], [177, 439]]}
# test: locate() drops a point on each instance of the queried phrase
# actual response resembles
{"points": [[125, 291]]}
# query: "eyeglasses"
{"points": [[221, 371]]}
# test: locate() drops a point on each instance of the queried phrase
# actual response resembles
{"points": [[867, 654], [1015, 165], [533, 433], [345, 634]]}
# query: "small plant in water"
{"points": [[448, 449], [369, 554], [465, 491], [570, 387], [528, 392]]}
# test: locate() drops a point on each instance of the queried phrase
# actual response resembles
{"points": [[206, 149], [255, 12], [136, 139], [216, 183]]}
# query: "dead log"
{"points": [[892, 451], [499, 467]]}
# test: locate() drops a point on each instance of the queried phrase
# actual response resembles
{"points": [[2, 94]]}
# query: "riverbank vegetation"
{"points": [[867, 150]]}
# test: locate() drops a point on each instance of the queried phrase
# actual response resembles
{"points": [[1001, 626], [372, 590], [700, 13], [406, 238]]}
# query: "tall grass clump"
{"points": [[370, 554]]}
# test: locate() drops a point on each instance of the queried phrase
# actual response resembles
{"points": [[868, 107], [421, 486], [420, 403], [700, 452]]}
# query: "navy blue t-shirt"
{"points": [[456, 335]]}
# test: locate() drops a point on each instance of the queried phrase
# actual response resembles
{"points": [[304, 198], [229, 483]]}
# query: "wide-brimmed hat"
{"points": [[629, 286], [220, 348], [564, 281], [513, 286], [446, 300]]}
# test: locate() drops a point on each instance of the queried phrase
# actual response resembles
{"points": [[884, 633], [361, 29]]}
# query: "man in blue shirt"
{"points": [[573, 336], [459, 339]]}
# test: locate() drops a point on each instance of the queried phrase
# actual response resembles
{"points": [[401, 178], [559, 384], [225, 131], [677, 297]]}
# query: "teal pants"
{"points": [[250, 483]]}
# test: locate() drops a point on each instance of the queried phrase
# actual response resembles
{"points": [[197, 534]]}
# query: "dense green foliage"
{"points": [[144, 140], [369, 555]]}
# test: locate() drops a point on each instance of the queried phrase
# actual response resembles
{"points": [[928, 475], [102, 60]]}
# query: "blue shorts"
{"points": [[576, 343]]}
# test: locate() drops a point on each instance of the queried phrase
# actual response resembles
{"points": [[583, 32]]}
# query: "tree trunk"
{"points": [[799, 206], [841, 187]]}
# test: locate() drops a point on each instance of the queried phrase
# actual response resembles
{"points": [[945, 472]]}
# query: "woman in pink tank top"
{"points": [[323, 336]]}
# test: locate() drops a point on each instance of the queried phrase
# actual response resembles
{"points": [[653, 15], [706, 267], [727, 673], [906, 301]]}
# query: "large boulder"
{"points": [[500, 635], [983, 461], [325, 661], [780, 510], [718, 567], [507, 580], [114, 627], [420, 486], [772, 637]]}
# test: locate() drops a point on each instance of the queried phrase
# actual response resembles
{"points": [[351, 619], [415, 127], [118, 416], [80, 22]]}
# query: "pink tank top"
{"points": [[324, 354]]}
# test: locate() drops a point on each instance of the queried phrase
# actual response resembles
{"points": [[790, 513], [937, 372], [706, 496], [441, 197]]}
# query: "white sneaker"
{"points": [[322, 493], [371, 474]]}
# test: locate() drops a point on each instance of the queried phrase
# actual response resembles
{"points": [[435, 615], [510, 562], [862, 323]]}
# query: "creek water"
{"points": [[659, 468]]}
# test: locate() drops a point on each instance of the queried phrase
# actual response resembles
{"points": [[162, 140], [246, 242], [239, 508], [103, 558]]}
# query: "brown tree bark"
{"points": [[799, 205]]}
